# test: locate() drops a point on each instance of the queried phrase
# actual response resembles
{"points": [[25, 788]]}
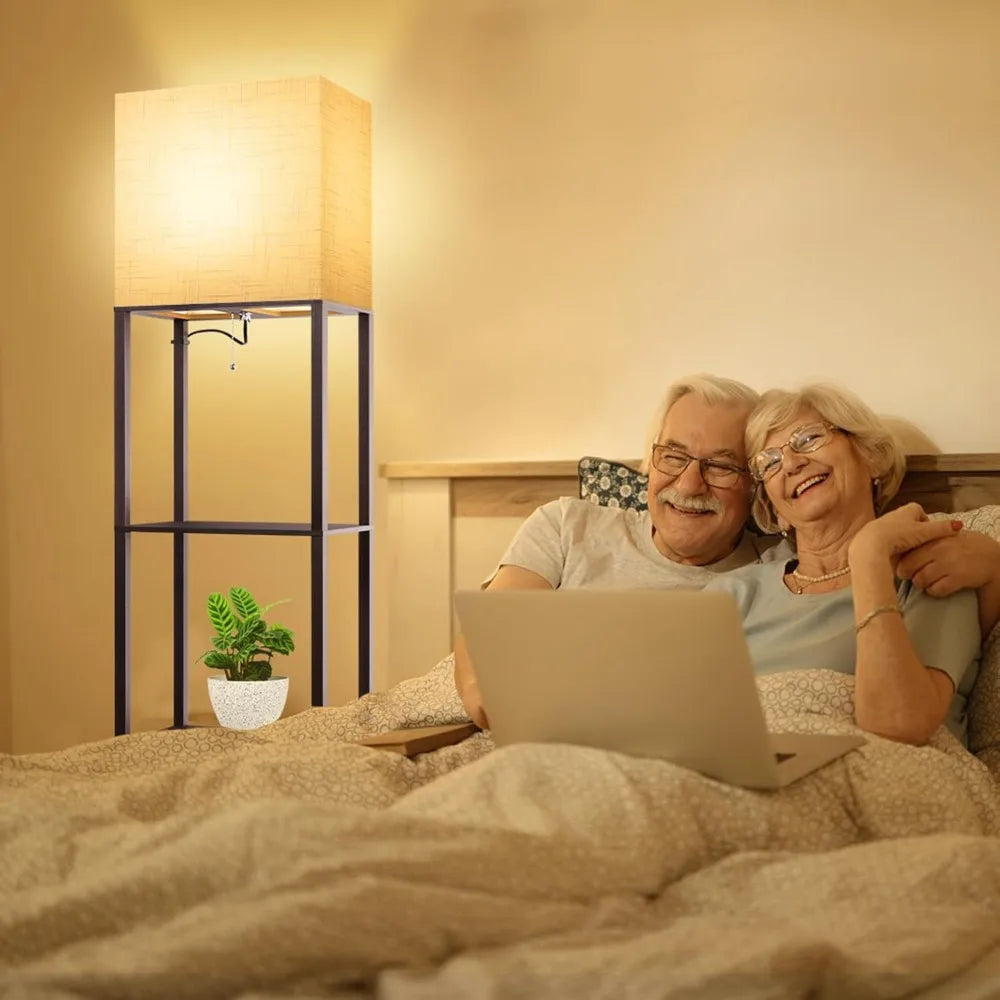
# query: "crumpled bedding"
{"points": [[290, 862]]}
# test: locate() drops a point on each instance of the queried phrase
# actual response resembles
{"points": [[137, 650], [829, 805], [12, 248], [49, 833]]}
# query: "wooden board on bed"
{"points": [[514, 489], [410, 742]]}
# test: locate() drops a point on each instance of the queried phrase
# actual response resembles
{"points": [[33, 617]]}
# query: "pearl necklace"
{"points": [[804, 581]]}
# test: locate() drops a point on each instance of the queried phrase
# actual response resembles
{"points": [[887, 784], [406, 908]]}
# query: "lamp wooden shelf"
{"points": [[317, 529], [245, 527]]}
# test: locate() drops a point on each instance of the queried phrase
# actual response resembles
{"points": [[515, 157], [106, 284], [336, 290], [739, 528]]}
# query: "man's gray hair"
{"points": [[713, 389]]}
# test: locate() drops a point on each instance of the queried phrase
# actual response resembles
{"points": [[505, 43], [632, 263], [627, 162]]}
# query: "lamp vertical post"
{"points": [[319, 497], [179, 517], [365, 493], [123, 567]]}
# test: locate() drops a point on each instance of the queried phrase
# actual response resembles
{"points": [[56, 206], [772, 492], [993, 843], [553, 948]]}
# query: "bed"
{"points": [[291, 861]]}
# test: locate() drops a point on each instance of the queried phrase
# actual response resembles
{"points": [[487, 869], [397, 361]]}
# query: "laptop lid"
{"points": [[654, 673]]}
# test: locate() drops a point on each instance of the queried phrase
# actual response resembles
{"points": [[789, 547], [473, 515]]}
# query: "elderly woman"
{"points": [[826, 468]]}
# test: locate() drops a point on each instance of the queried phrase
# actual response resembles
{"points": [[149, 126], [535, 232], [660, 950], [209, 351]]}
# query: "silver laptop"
{"points": [[654, 673]]}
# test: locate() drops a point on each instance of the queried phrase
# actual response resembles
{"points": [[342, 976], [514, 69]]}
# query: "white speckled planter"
{"points": [[247, 704]]}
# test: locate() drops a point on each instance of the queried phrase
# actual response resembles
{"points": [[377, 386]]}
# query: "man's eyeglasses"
{"points": [[672, 462], [802, 440]]}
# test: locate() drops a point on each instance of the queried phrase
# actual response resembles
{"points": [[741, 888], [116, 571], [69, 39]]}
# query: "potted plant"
{"points": [[249, 695]]}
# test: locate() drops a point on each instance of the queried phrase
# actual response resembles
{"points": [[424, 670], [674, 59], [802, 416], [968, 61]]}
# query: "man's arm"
{"points": [[507, 578], [967, 560]]}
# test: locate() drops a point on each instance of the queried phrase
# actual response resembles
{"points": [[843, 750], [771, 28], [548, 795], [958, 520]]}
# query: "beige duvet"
{"points": [[289, 862]]}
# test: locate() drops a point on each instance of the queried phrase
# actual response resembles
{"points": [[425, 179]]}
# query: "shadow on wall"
{"points": [[61, 62], [911, 437]]}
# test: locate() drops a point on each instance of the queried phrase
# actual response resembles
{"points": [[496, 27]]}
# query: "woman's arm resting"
{"points": [[895, 695]]}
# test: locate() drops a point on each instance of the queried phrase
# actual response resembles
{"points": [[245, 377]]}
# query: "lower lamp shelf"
{"points": [[241, 528]]}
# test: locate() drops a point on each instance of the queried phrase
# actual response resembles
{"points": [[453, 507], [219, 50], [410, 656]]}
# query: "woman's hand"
{"points": [[894, 534]]}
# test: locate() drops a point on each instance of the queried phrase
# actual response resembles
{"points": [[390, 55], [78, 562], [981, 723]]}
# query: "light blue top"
{"points": [[787, 631]]}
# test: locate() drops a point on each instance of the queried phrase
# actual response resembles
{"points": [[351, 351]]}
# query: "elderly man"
{"points": [[698, 500], [695, 527]]}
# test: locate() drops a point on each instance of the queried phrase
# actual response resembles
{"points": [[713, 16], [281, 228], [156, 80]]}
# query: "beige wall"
{"points": [[55, 376], [6, 686], [574, 201]]}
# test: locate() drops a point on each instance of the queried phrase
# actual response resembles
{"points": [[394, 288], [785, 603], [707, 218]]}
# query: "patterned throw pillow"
{"points": [[611, 484]]}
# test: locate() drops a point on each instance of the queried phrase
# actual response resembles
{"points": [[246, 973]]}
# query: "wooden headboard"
{"points": [[449, 523], [515, 489]]}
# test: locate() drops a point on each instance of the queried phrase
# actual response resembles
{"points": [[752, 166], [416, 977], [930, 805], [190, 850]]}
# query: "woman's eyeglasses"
{"points": [[802, 440], [672, 462]]}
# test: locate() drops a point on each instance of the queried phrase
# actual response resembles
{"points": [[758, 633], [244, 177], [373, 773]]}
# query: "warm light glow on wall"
{"points": [[243, 193]]}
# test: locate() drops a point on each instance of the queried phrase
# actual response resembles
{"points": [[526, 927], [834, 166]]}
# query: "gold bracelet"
{"points": [[883, 609]]}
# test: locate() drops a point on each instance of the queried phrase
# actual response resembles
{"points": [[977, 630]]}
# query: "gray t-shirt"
{"points": [[787, 631], [575, 543]]}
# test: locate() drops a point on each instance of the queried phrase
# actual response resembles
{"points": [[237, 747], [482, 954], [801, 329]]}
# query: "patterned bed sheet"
{"points": [[291, 862]]}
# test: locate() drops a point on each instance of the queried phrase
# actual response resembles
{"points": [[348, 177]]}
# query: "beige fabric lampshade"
{"points": [[243, 193]]}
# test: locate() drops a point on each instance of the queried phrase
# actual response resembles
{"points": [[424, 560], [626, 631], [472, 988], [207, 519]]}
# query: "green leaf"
{"points": [[278, 639], [245, 605], [219, 661], [248, 632], [257, 670], [267, 607], [220, 614]]}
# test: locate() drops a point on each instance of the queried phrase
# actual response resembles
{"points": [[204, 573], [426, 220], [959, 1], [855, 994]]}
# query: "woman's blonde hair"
{"points": [[871, 438], [713, 389]]}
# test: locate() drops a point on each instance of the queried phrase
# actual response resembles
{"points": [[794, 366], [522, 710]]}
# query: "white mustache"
{"points": [[677, 499]]}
